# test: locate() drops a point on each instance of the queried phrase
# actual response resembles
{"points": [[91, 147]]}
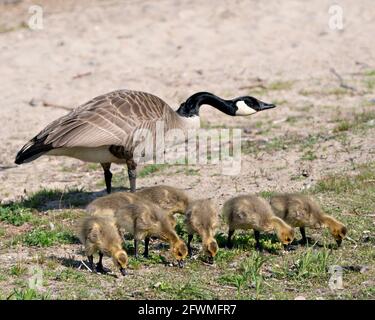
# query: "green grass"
{"points": [[344, 125], [189, 290], [15, 214], [344, 183], [27, 294], [370, 73], [280, 85], [17, 270], [359, 121], [70, 275], [267, 194], [41, 237], [151, 169], [309, 155], [311, 263], [248, 274]]}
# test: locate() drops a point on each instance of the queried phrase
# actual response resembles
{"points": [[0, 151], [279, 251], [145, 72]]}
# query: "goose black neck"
{"points": [[191, 106]]}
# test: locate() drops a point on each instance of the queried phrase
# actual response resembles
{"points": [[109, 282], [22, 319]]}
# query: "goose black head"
{"points": [[248, 105]]}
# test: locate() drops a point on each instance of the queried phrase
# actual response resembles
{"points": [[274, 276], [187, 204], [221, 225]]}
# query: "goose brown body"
{"points": [[253, 212], [303, 211]]}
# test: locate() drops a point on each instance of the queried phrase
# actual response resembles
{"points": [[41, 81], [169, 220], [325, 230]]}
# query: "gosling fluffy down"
{"points": [[144, 220], [172, 200], [303, 211], [100, 234], [253, 212], [202, 219]]}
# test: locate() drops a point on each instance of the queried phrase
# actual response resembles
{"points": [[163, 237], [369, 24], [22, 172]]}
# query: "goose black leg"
{"points": [[190, 238], [303, 233], [147, 241], [107, 176], [132, 174], [257, 243], [229, 241]]}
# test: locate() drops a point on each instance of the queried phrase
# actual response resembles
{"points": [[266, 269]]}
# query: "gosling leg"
{"points": [[107, 176], [91, 263], [190, 238], [132, 174], [304, 240], [136, 248], [99, 265], [147, 241], [229, 241], [257, 242]]}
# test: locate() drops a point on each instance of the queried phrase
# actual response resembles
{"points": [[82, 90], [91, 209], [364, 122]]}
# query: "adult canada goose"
{"points": [[102, 129]]}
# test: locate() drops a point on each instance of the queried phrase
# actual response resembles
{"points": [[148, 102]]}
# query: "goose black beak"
{"points": [[338, 241], [264, 106], [123, 271]]}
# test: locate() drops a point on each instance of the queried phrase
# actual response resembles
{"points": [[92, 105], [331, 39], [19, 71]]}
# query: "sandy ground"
{"points": [[281, 52], [173, 49]]}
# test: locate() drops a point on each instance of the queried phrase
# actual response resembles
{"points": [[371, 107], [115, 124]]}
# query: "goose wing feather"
{"points": [[109, 119]]}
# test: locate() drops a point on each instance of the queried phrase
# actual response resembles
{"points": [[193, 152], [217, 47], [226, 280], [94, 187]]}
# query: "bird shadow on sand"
{"points": [[49, 199]]}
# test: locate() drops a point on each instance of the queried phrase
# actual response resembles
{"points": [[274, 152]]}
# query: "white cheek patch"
{"points": [[243, 109]]}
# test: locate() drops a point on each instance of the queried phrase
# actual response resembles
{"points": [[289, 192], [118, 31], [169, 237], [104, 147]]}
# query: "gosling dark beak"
{"points": [[123, 271], [210, 260], [264, 106], [338, 241], [180, 263]]}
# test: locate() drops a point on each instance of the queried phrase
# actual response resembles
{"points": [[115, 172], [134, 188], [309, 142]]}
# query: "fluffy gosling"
{"points": [[252, 212], [144, 220], [100, 234], [172, 200], [107, 205], [303, 211], [202, 218]]}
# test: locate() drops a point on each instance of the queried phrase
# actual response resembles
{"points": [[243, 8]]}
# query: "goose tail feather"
{"points": [[32, 150]]}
